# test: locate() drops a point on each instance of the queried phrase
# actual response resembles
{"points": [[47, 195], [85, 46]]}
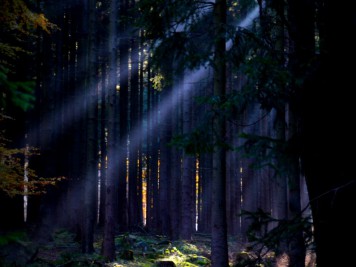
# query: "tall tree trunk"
{"points": [[112, 172], [219, 248], [154, 178], [123, 113], [90, 183], [301, 48], [329, 138], [175, 172], [134, 209], [105, 71], [165, 165], [187, 198], [206, 193]]}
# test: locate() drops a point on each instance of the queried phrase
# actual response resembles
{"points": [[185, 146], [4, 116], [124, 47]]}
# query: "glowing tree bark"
{"points": [[134, 179]]}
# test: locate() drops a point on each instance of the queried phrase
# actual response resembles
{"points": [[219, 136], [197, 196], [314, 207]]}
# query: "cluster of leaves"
{"points": [[17, 35], [17, 16], [13, 169], [267, 152], [19, 24], [178, 31], [19, 93]]}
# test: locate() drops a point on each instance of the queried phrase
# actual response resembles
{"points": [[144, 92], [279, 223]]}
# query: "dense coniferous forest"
{"points": [[177, 133]]}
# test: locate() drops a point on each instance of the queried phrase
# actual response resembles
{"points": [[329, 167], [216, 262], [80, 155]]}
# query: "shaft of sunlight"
{"points": [[190, 80], [75, 108], [245, 23]]}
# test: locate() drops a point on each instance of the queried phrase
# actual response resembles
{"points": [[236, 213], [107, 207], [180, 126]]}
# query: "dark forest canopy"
{"points": [[228, 119]]}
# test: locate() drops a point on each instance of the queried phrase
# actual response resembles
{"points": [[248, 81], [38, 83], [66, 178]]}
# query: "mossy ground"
{"points": [[132, 250]]}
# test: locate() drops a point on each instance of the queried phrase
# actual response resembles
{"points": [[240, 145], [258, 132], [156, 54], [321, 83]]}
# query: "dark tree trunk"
{"points": [[219, 248], [175, 172], [187, 198], [154, 178], [90, 182], [112, 172], [134, 179], [165, 166], [206, 193], [329, 138], [301, 51], [123, 113]]}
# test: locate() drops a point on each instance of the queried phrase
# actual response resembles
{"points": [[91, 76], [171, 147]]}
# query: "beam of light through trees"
{"points": [[166, 105]]}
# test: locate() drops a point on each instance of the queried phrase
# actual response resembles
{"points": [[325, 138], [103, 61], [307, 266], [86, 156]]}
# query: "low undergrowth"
{"points": [[132, 250]]}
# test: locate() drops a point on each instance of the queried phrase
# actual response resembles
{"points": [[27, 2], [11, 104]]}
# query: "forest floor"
{"points": [[132, 250]]}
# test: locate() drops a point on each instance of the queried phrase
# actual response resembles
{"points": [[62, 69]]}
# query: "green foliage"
{"points": [[267, 234], [270, 152], [158, 82], [12, 171], [16, 16], [19, 93], [62, 237], [195, 142], [178, 31], [17, 36], [17, 236]]}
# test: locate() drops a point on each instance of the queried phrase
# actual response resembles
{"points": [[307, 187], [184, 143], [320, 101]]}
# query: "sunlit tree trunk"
{"points": [[134, 179], [152, 160], [149, 198], [219, 248], [142, 59], [205, 170]]}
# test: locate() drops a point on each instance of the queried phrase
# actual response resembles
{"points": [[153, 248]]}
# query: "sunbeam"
{"points": [[76, 106]]}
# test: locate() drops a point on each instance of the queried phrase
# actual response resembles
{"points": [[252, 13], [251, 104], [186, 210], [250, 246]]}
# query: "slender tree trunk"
{"points": [[165, 165], [123, 113], [149, 198], [154, 164], [219, 248], [301, 48], [187, 173], [206, 193], [110, 219], [175, 173], [90, 183], [133, 200]]}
